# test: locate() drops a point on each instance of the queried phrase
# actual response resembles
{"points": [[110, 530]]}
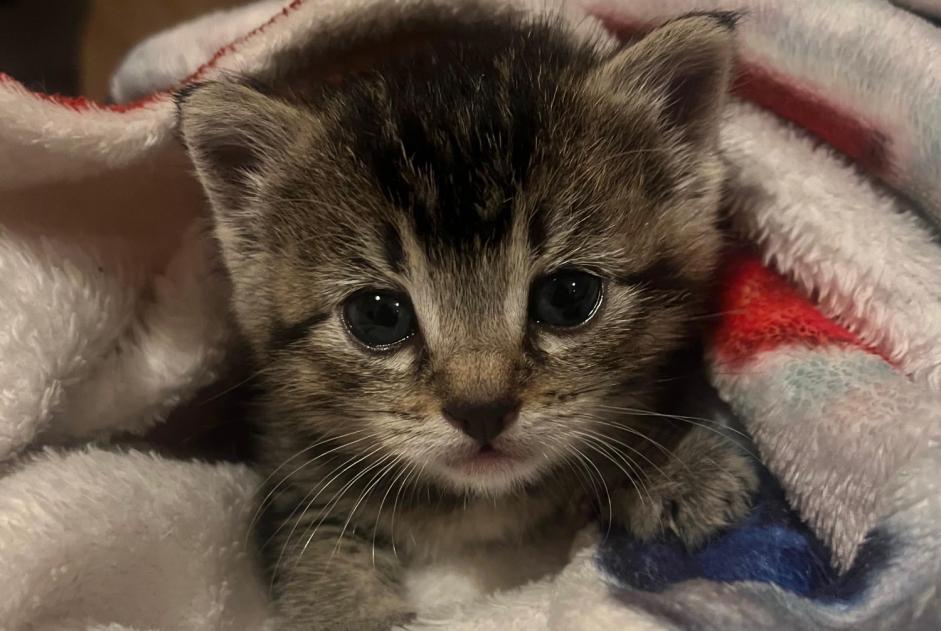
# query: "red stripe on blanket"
{"points": [[80, 103], [800, 105], [761, 311], [231, 47], [840, 130]]}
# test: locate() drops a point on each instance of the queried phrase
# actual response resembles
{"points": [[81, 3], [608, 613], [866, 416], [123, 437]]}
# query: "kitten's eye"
{"points": [[566, 298], [379, 318]]}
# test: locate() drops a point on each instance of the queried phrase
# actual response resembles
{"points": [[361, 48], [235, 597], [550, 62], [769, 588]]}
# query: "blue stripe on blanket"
{"points": [[772, 545]]}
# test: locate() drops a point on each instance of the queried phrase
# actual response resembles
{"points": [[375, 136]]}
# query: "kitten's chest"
{"points": [[462, 555], [483, 524]]}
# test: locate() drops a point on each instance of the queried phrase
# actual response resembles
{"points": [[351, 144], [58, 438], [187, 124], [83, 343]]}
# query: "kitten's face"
{"points": [[472, 262]]}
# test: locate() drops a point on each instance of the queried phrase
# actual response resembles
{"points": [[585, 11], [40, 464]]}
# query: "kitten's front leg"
{"points": [[345, 587], [706, 485]]}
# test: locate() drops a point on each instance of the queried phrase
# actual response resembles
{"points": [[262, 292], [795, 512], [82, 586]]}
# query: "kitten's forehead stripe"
{"points": [[458, 183], [364, 265], [392, 247], [449, 136], [537, 231]]}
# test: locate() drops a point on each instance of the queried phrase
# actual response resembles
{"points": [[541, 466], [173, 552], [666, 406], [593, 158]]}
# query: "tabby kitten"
{"points": [[461, 269]]}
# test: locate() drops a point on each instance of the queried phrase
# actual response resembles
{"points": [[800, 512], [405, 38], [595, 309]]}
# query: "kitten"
{"points": [[462, 270]]}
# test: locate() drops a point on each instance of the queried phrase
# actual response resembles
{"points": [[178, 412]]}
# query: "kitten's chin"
{"points": [[488, 472]]}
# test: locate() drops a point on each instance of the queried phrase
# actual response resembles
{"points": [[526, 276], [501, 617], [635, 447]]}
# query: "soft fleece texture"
{"points": [[114, 316]]}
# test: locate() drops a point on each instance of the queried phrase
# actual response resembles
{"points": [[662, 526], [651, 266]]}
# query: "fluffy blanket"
{"points": [[828, 348]]}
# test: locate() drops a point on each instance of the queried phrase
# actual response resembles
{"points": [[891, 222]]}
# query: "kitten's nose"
{"points": [[482, 421]]}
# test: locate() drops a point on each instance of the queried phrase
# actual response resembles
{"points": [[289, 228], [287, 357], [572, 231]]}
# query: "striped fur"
{"points": [[482, 152]]}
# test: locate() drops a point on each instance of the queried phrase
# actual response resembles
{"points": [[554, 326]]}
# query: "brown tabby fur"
{"points": [[481, 151]]}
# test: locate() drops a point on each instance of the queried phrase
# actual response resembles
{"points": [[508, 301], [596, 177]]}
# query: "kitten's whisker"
{"points": [[586, 460], [309, 493], [393, 462], [605, 386], [267, 498], [716, 314], [633, 432], [560, 450], [715, 431], [632, 476], [641, 484], [567, 454], [648, 412], [664, 450], [640, 474], [714, 428], [334, 501], [352, 462], [327, 510], [415, 486], [679, 417], [395, 504], [235, 386], [382, 503]]}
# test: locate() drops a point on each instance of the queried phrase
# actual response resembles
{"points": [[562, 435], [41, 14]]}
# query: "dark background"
{"points": [[71, 47]]}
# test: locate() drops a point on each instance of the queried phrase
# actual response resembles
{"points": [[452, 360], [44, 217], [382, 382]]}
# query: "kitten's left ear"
{"points": [[232, 132], [685, 65]]}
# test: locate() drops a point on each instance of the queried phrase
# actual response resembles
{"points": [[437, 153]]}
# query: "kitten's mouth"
{"points": [[490, 469], [489, 452], [486, 458]]}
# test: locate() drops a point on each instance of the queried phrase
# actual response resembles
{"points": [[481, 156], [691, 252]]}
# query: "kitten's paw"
{"points": [[333, 602], [706, 486]]}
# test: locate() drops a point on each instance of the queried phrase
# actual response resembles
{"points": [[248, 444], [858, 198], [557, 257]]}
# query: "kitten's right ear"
{"points": [[231, 131], [685, 65]]}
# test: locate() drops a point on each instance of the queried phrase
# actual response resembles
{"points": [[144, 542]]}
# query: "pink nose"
{"points": [[482, 421]]}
